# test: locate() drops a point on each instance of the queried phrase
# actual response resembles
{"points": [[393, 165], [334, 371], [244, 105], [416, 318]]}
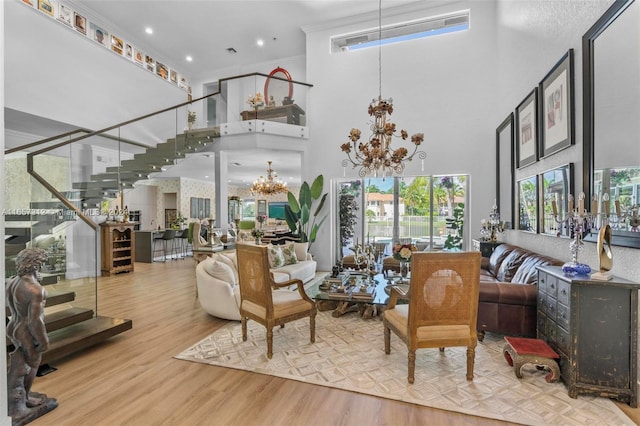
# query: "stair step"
{"points": [[55, 297], [66, 317], [80, 336]]}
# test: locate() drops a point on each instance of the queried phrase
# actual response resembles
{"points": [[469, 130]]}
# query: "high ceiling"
{"points": [[204, 30]]}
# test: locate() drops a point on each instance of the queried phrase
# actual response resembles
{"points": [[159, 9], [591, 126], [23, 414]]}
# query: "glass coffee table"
{"points": [[357, 294]]}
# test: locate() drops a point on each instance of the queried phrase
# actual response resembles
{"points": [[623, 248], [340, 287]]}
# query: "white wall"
{"points": [[58, 74], [443, 86]]}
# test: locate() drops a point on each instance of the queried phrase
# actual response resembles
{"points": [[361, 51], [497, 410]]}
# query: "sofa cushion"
{"points": [[301, 251], [496, 258], [527, 273], [276, 258], [219, 270], [301, 270], [510, 264], [289, 253], [227, 261]]}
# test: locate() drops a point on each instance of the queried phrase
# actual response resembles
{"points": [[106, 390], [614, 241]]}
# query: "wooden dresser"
{"points": [[593, 325], [117, 247]]}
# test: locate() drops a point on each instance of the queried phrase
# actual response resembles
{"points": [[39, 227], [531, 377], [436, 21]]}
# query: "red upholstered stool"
{"points": [[520, 351]]}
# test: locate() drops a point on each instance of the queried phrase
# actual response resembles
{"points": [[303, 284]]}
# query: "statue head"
{"points": [[30, 260]]}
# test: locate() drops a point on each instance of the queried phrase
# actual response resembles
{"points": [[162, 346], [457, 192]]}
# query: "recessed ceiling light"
{"points": [[236, 164], [189, 58], [148, 30], [260, 42], [206, 177]]}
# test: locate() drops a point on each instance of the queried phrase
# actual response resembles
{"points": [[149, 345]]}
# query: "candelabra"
{"points": [[365, 254], [578, 220], [489, 229]]}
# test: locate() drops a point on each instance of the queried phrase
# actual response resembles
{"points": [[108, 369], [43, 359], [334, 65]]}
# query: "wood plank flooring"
{"points": [[132, 378]]}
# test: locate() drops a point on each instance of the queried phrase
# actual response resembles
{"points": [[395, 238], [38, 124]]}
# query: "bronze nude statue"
{"points": [[26, 329]]}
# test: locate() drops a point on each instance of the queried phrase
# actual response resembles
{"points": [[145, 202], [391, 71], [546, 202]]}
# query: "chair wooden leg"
{"points": [[471, 356], [387, 340], [312, 328], [243, 321], [269, 342], [412, 366]]}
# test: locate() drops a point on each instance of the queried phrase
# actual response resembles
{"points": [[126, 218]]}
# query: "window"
{"points": [[402, 31], [422, 210]]}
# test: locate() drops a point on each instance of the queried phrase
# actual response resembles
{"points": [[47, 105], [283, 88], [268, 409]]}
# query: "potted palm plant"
{"points": [[298, 213]]}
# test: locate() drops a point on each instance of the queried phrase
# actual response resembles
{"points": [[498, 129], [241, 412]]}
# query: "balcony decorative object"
{"points": [[269, 185]]}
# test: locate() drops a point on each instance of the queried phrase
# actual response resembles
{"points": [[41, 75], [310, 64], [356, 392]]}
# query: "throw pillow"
{"points": [[219, 270], [289, 253], [276, 258], [234, 258], [224, 259], [301, 251]]}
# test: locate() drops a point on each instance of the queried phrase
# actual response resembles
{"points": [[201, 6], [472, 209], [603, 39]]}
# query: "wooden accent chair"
{"points": [[442, 309], [261, 303]]}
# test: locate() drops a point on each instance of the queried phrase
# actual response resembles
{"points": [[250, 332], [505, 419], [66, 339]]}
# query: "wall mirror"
{"points": [[504, 170], [528, 204], [262, 208], [611, 69], [557, 184]]}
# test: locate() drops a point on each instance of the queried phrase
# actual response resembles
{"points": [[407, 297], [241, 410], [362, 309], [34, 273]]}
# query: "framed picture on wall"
{"points": [[505, 169], [527, 130], [528, 204], [80, 23], [262, 208], [557, 121]]}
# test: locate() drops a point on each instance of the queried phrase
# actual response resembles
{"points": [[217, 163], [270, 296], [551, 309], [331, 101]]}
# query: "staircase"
{"points": [[73, 328], [108, 184]]}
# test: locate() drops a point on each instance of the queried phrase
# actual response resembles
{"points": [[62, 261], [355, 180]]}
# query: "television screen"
{"points": [[276, 210]]}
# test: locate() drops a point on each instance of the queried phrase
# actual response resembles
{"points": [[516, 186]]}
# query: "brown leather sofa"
{"points": [[509, 291]]}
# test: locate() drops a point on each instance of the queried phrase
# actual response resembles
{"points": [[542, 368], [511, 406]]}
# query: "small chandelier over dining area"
{"points": [[376, 156], [269, 185]]}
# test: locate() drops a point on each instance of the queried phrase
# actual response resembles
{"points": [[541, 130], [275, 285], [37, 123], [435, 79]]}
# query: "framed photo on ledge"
{"points": [[556, 91], [527, 130]]}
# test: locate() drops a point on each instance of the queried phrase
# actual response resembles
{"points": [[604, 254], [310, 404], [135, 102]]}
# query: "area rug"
{"points": [[349, 354]]}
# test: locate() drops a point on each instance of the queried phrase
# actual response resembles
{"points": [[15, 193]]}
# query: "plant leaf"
{"points": [[291, 218], [324, 197], [305, 195], [293, 203], [316, 187]]}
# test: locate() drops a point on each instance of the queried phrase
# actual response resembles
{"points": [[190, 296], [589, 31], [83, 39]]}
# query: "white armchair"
{"points": [[218, 290]]}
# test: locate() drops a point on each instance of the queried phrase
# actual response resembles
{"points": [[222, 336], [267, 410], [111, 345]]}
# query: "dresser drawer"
{"points": [[551, 308], [542, 282], [542, 302], [562, 340], [562, 315], [552, 286], [564, 291]]}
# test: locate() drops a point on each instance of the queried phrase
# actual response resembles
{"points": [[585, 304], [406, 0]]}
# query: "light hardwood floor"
{"points": [[132, 378]]}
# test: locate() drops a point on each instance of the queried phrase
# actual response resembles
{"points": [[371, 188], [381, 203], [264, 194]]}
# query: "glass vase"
{"points": [[404, 271]]}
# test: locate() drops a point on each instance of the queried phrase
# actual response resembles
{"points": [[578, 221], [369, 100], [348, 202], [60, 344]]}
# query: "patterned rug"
{"points": [[349, 354]]}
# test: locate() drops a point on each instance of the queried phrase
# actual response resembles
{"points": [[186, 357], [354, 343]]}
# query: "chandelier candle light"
{"points": [[577, 219], [490, 228], [269, 185], [376, 156]]}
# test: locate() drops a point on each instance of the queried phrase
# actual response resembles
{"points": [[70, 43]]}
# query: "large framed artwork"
{"points": [[504, 170], [528, 204], [557, 110], [527, 130]]}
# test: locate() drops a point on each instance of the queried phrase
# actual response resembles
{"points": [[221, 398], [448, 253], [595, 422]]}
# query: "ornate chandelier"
{"points": [[268, 186], [376, 156]]}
